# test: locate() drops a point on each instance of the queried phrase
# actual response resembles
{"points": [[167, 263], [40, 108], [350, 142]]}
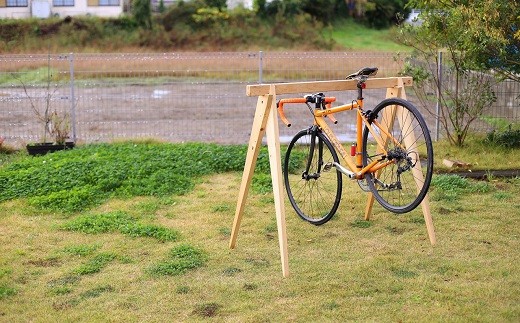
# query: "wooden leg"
{"points": [[410, 143], [263, 108], [370, 204], [278, 192]]}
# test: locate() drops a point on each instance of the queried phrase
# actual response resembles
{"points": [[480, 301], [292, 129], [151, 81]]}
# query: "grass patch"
{"points": [[478, 152], [354, 36], [469, 275], [119, 221], [6, 291], [449, 188], [363, 224], [95, 264], [81, 250], [181, 259]]}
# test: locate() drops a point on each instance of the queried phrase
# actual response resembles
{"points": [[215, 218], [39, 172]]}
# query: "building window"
{"points": [[16, 3], [109, 2], [63, 3]]}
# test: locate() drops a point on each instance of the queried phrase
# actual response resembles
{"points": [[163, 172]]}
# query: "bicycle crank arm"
{"points": [[345, 171]]}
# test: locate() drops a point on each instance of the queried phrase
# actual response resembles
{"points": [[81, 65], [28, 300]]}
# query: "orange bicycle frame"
{"points": [[354, 163]]}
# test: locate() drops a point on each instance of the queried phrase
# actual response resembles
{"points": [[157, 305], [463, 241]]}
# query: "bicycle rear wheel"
{"points": [[401, 186], [312, 182]]}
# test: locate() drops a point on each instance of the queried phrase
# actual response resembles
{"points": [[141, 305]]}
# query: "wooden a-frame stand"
{"points": [[266, 122]]}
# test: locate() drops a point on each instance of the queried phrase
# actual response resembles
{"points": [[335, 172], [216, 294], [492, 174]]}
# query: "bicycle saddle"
{"points": [[366, 71]]}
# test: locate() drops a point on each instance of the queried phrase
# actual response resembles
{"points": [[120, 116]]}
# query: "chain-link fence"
{"points": [[174, 96]]}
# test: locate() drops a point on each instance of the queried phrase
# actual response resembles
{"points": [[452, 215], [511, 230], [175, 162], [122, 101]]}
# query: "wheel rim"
{"points": [[401, 186], [314, 195]]}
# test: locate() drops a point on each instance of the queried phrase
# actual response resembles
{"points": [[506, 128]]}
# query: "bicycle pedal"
{"points": [[327, 167]]}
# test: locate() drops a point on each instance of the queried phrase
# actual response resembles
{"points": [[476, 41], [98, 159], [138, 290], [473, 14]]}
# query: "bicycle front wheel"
{"points": [[398, 126], [312, 182]]}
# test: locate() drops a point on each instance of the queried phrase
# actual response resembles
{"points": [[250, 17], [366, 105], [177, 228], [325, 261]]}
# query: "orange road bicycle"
{"points": [[392, 156]]}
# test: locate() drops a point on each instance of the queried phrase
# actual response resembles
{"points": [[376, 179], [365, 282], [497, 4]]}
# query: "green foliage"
{"points": [[161, 8], [119, 221], [505, 133], [205, 16], [142, 13], [486, 32], [509, 138], [219, 4], [384, 13], [262, 183], [466, 89], [75, 199], [181, 259], [78, 179]]}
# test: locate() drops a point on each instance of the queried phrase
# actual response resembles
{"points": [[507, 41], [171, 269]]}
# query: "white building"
{"points": [[61, 8], [234, 3]]}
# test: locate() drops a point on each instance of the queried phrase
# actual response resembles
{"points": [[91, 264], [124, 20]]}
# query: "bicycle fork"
{"points": [[305, 175]]}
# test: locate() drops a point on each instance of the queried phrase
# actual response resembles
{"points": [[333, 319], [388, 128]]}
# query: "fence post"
{"points": [[439, 85], [72, 98], [260, 67]]}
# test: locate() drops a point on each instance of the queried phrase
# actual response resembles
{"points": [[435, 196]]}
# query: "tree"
{"points": [[142, 13], [220, 4], [453, 27], [488, 31], [384, 13]]}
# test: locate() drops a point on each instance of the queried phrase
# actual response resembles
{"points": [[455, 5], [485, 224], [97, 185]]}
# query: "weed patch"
{"points": [[363, 224], [182, 290], [81, 250], [450, 188], [78, 179], [231, 271], [95, 264], [262, 183], [119, 221], [96, 291], [6, 291], [181, 259], [67, 280]]}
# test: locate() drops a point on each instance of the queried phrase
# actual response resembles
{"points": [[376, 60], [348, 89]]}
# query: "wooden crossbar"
{"points": [[323, 86]]}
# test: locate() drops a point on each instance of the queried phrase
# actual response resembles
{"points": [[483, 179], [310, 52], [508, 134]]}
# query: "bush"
{"points": [[509, 138]]}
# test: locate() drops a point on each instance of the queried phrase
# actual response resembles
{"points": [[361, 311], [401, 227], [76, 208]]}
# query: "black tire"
{"points": [[395, 186], [315, 195]]}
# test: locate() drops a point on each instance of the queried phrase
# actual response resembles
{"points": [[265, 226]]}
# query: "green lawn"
{"points": [[356, 37], [164, 256]]}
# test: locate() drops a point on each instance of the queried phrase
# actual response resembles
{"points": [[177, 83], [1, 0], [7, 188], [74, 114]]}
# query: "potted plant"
{"points": [[55, 123]]}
